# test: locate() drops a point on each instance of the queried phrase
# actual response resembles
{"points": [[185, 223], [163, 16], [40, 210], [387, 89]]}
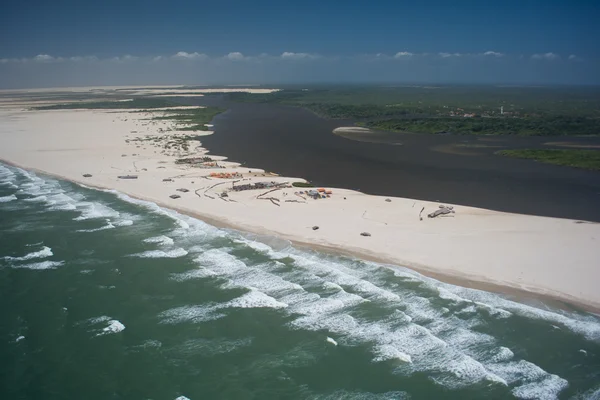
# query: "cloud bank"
{"points": [[194, 67]]}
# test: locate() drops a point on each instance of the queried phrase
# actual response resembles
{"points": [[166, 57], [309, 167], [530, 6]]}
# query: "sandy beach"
{"points": [[545, 256]]}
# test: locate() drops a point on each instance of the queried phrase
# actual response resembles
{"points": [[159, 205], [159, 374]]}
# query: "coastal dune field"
{"points": [[553, 257]]}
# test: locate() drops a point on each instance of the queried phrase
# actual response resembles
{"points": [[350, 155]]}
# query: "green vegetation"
{"points": [[195, 118], [586, 159], [549, 126], [144, 103], [544, 111], [302, 184]]}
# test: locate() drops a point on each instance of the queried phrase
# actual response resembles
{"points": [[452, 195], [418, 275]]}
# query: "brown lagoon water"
{"points": [[447, 168]]}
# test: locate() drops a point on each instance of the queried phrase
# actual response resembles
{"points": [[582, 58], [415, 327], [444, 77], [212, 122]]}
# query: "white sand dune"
{"points": [[549, 256]]}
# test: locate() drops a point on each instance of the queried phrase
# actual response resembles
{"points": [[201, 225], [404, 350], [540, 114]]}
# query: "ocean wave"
{"points": [[161, 240], [192, 314], [123, 222], [108, 225], [43, 253], [40, 265], [92, 210], [6, 199], [189, 227], [8, 183], [175, 253], [253, 299], [114, 326], [358, 395]]}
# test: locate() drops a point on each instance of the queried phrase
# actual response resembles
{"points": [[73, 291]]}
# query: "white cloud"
{"points": [[545, 56], [287, 55], [573, 57], [235, 56], [83, 58], [446, 55], [182, 55], [493, 53], [125, 58], [45, 58], [403, 54]]}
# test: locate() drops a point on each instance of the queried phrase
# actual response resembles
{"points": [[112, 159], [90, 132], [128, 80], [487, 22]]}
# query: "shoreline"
{"points": [[556, 300], [525, 257]]}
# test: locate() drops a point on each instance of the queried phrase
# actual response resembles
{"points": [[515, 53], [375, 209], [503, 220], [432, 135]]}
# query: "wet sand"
{"points": [[447, 168]]}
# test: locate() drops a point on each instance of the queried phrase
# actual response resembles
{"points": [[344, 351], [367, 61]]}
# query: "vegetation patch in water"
{"points": [[585, 159]]}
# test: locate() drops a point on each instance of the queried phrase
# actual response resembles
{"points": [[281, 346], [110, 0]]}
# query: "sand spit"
{"points": [[548, 256], [351, 129], [155, 89]]}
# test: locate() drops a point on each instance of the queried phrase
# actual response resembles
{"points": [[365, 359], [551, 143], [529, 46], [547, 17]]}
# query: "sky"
{"points": [[74, 43]]}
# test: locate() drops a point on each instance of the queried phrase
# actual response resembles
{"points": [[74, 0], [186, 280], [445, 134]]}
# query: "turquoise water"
{"points": [[106, 297]]}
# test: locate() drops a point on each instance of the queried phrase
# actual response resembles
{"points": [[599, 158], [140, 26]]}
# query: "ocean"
{"points": [[106, 297]]}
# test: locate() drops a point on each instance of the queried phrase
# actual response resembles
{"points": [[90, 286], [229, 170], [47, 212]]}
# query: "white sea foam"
{"points": [[253, 299], [455, 351], [175, 253], [592, 394], [199, 273], [8, 183], [43, 253], [98, 320], [63, 207], [91, 210], [39, 199], [585, 325], [193, 314], [332, 341], [123, 222], [108, 225], [6, 199], [19, 338], [5, 172], [547, 389], [188, 227], [150, 344], [182, 398], [40, 265], [114, 326], [162, 240], [503, 354], [356, 395], [387, 352]]}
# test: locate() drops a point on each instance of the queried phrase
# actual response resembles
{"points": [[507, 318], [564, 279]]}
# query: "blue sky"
{"points": [[109, 42]]}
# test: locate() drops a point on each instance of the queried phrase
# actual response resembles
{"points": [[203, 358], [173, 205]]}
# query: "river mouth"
{"points": [[292, 141]]}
